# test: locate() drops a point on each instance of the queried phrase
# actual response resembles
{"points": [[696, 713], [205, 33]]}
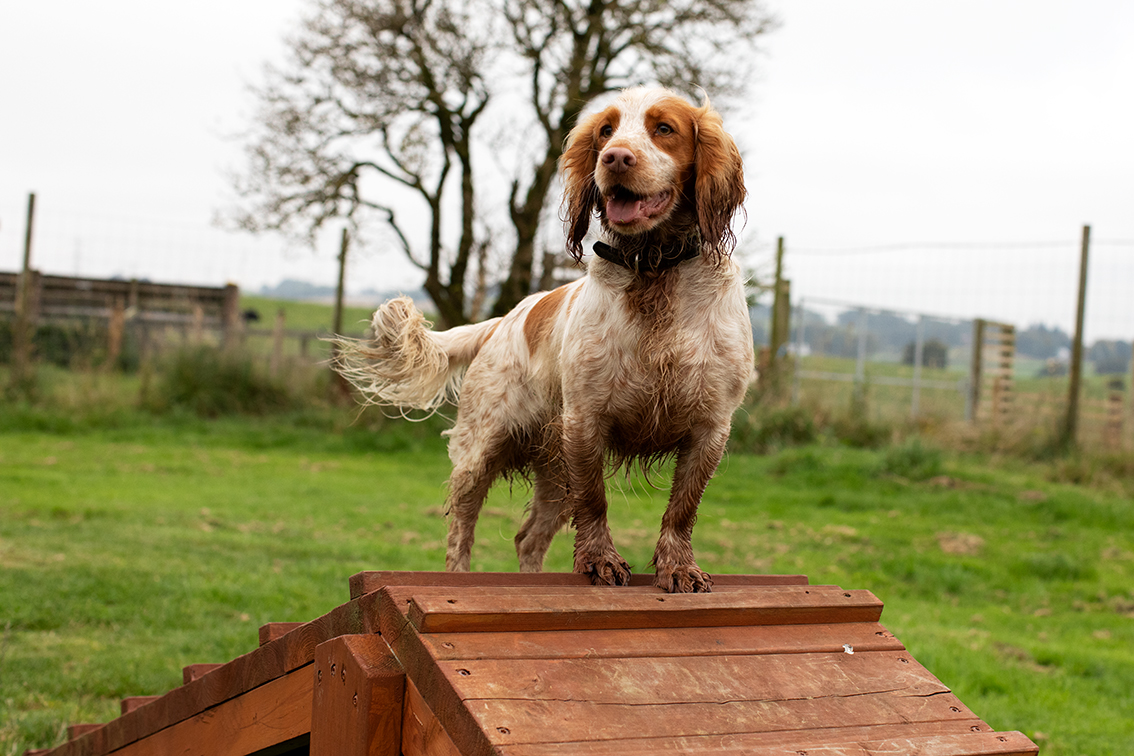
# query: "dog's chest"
{"points": [[665, 353]]}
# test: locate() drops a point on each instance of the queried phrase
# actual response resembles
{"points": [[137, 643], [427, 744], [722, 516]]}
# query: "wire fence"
{"points": [[863, 316], [895, 324]]}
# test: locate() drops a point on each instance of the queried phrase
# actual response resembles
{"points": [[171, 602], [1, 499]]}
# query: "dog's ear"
{"points": [[577, 169], [719, 185]]}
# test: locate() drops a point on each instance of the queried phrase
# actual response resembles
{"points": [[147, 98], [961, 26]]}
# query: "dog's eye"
{"points": [[663, 129], [606, 131]]}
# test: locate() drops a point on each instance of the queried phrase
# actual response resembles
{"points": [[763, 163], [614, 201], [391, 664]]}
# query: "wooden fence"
{"points": [[55, 298]]}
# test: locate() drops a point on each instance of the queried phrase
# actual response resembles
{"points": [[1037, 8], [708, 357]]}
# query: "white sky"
{"points": [[980, 123]]}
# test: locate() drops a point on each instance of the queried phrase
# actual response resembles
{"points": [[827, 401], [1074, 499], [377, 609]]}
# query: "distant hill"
{"points": [[303, 291]]}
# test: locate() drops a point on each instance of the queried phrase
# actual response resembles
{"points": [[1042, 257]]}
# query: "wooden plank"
{"points": [[531, 611], [276, 630], [421, 669], [192, 672], [130, 703], [422, 733], [273, 713], [918, 739], [76, 730], [695, 641], [656, 681], [374, 580], [357, 707], [228, 681], [507, 722]]}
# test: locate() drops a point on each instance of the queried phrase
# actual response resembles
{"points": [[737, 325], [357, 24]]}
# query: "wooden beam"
{"points": [[657, 642], [130, 703], [220, 684], [191, 672], [956, 738], [274, 713], [357, 706], [276, 630], [512, 610], [422, 733]]}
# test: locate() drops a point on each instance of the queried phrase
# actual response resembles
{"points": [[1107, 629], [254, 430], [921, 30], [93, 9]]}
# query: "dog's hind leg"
{"points": [[547, 514], [467, 491], [476, 466]]}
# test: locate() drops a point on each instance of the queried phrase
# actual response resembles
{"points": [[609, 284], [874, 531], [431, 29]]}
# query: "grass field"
{"points": [[131, 548]]}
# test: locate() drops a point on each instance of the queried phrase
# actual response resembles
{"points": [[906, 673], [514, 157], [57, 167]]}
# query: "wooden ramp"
{"points": [[536, 665]]}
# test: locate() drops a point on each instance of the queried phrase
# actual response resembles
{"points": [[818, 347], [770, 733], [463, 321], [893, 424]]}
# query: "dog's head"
{"points": [[650, 163]]}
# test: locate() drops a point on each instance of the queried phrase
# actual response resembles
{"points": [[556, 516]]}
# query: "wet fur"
{"points": [[616, 368]]}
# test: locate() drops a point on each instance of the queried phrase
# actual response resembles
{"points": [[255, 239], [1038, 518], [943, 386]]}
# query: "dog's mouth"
{"points": [[625, 208]]}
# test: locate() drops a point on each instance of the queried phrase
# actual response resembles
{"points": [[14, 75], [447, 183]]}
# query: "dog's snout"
{"points": [[619, 159]]}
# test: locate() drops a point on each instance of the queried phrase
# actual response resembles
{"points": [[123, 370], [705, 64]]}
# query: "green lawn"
{"points": [[127, 553]]}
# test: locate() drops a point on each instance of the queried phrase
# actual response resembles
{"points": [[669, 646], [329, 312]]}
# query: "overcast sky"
{"points": [[969, 140]]}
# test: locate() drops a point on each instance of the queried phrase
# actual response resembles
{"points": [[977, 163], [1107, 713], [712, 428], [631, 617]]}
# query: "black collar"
{"points": [[633, 263]]}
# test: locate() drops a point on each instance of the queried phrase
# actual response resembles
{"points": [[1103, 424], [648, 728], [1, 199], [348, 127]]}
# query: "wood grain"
{"points": [[374, 580], [276, 630], [653, 681], [270, 714], [694, 641], [422, 733], [221, 684], [930, 739], [527, 610]]}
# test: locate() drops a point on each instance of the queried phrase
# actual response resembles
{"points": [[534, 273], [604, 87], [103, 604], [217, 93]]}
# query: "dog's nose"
{"points": [[619, 159]]}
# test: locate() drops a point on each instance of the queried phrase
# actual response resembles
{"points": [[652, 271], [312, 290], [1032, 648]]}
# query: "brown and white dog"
{"points": [[645, 357]]}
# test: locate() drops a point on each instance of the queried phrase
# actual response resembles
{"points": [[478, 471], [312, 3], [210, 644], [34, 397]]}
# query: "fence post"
{"points": [[918, 357], [860, 359], [197, 326], [973, 402], [277, 342], [231, 319], [1113, 434], [1130, 393], [1002, 383], [781, 306], [115, 329], [339, 383], [23, 327], [1071, 424], [800, 325]]}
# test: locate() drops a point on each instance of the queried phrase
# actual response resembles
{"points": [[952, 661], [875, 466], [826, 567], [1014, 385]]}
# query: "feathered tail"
{"points": [[406, 364]]}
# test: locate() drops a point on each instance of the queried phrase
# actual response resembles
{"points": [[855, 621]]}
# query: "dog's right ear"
{"points": [[577, 169]]}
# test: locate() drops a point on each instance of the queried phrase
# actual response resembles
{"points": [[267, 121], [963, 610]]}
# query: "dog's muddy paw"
{"points": [[605, 570], [684, 579]]}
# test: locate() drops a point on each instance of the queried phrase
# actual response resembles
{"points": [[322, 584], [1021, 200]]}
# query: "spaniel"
{"points": [[644, 358]]}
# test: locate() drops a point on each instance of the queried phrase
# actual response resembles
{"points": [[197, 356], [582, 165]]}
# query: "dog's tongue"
{"points": [[623, 209], [628, 208]]}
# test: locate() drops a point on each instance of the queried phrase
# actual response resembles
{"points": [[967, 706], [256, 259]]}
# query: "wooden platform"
{"points": [[536, 665]]}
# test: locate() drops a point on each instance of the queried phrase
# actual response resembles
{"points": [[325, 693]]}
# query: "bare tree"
{"points": [[393, 89], [388, 89], [576, 50]]}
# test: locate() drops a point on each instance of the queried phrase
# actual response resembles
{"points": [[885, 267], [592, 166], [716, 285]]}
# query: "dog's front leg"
{"points": [[677, 571], [595, 554]]}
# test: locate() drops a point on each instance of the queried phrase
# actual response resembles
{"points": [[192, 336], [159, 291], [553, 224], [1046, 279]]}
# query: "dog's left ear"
{"points": [[719, 183]]}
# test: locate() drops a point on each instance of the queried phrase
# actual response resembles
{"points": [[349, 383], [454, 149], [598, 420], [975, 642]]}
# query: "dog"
{"points": [[644, 358]]}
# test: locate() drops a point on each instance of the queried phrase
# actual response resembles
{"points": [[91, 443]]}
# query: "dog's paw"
{"points": [[605, 569], [687, 578]]}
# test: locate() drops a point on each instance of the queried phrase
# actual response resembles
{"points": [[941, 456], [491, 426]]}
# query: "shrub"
{"points": [[858, 430], [211, 382], [70, 343], [911, 460], [774, 429]]}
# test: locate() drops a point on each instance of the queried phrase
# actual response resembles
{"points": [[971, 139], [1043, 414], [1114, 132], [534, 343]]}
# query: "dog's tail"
{"points": [[407, 364]]}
